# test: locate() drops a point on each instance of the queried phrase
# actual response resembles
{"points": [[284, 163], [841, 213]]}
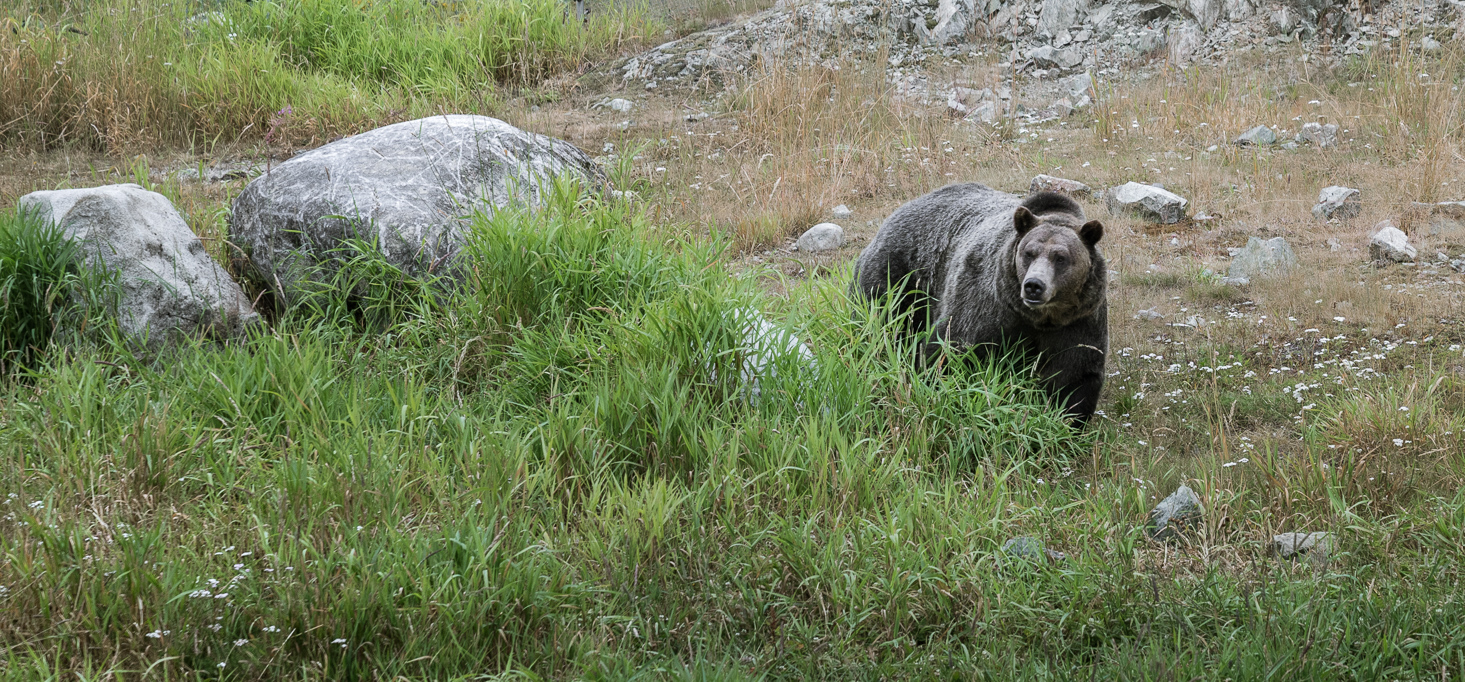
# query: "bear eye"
{"points": [[1060, 258]]}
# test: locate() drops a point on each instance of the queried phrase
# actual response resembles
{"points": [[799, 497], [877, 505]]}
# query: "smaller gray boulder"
{"points": [[1181, 508], [1389, 244], [1318, 134], [1337, 202], [841, 211], [168, 285], [821, 237], [1260, 136], [1271, 257], [1147, 201], [1049, 183], [1290, 545]]}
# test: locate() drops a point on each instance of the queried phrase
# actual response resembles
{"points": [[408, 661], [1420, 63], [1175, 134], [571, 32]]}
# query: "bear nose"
{"points": [[1033, 289]]}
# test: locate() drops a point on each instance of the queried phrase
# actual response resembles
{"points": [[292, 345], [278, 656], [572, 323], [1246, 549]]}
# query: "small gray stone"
{"points": [[821, 237], [169, 286], [1337, 202], [1181, 508], [1030, 548], [1147, 201], [841, 211], [1049, 183], [1289, 545], [619, 104], [1389, 244], [1259, 136], [764, 349], [1271, 257], [1318, 134], [1149, 314], [1430, 46]]}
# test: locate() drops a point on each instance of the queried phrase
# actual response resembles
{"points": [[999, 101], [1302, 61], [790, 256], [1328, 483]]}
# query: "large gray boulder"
{"points": [[410, 188], [168, 286]]}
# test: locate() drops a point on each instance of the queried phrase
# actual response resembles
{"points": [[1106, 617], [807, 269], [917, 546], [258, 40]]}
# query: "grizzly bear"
{"points": [[977, 269]]}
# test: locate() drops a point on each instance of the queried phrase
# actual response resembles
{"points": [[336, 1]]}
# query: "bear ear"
{"points": [[1023, 220], [1091, 232]]}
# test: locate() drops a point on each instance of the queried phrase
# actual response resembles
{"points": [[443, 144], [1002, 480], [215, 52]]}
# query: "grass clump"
{"points": [[44, 283]]}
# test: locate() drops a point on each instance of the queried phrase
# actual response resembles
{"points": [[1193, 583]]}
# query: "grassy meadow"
{"points": [[555, 469]]}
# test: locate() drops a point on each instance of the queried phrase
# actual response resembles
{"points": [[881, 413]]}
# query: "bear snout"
{"points": [[1034, 291]]}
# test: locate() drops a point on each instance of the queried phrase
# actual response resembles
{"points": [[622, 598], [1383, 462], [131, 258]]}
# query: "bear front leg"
{"points": [[1075, 376]]}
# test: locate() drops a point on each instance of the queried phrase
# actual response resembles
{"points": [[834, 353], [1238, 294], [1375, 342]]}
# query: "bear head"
{"points": [[1055, 254]]}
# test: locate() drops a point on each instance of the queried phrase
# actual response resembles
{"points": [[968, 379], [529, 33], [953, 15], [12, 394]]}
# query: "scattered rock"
{"points": [[1050, 57], [1149, 314], [1258, 258], [619, 104], [1030, 548], [986, 112], [168, 285], [768, 347], [1389, 244], [963, 101], [841, 211], [1049, 183], [1284, 20], [1318, 134], [1458, 265], [1289, 545], [1181, 508], [1446, 219], [1259, 136], [1337, 202], [1429, 45], [409, 188], [1147, 201], [821, 237]]}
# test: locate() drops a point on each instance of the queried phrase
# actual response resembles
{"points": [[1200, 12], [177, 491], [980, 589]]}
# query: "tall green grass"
{"points": [[45, 284], [118, 74], [551, 471]]}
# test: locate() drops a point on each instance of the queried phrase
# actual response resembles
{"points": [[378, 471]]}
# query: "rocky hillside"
{"points": [[1042, 41]]}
